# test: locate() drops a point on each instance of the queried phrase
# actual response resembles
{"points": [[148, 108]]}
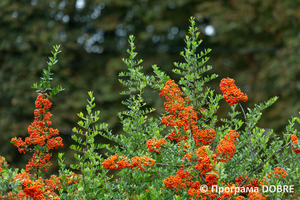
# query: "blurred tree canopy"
{"points": [[255, 42]]}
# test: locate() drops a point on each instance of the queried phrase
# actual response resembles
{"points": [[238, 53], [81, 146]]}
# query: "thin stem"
{"points": [[249, 134], [82, 164], [242, 111], [85, 150], [162, 164], [262, 163], [202, 177]]}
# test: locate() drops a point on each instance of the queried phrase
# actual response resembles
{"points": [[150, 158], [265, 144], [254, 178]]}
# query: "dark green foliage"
{"points": [[45, 84], [260, 155], [94, 182], [255, 42]]}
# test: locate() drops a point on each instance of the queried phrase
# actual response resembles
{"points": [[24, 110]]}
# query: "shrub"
{"points": [[186, 153]]}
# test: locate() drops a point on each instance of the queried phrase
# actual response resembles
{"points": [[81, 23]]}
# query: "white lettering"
{"points": [[221, 190], [243, 190], [285, 188], [236, 190], [291, 188], [279, 188], [265, 188], [214, 188], [227, 189], [272, 188]]}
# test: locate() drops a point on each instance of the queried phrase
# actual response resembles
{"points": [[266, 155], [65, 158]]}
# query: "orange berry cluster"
{"points": [[40, 134], [204, 137], [257, 195], [182, 117], [156, 144], [204, 163], [183, 179], [119, 162], [226, 148], [278, 172], [39, 188], [202, 171], [294, 138], [41, 139], [231, 93]]}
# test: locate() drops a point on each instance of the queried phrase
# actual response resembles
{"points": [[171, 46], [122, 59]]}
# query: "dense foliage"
{"points": [[255, 42], [188, 152]]}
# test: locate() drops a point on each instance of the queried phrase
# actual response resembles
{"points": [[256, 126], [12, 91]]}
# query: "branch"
{"points": [[249, 135], [262, 163], [162, 164]]}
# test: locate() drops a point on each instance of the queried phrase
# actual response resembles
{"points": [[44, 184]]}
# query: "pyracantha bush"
{"points": [[187, 152]]}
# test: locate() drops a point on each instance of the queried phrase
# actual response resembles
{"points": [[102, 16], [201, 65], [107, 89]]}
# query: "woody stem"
{"points": [[262, 163], [249, 135]]}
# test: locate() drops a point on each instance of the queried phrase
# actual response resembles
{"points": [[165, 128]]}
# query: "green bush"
{"points": [[188, 152]]}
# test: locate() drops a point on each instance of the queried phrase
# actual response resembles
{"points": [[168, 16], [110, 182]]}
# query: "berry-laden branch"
{"points": [[202, 167], [206, 154], [168, 157], [232, 94], [42, 138]]}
